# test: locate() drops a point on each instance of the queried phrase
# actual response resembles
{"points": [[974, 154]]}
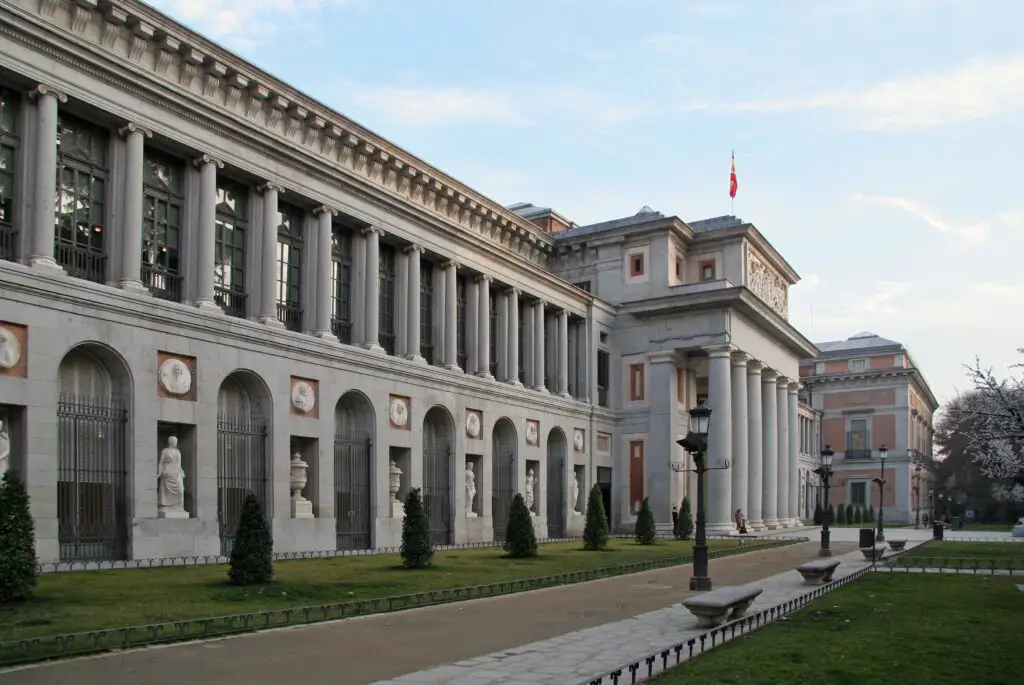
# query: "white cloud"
{"points": [[982, 89], [808, 282], [1009, 223]]}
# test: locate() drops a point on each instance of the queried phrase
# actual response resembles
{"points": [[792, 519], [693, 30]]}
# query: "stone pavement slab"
{"points": [[368, 649]]}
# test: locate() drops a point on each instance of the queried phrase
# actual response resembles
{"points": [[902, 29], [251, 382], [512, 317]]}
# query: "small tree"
{"points": [[520, 538], [417, 551], [19, 570], [595, 532], [841, 514], [858, 514], [819, 515], [646, 531], [871, 515], [252, 559], [684, 523], [831, 515]]}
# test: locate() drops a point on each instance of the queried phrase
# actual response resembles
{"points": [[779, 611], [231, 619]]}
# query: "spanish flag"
{"points": [[733, 183]]}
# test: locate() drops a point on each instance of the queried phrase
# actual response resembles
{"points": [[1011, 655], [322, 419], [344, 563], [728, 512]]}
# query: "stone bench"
{"points": [[897, 545], [872, 553], [818, 572], [728, 603]]}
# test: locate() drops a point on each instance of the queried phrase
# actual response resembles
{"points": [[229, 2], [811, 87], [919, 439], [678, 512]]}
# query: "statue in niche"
{"points": [[470, 488], [574, 493], [531, 482], [5, 449], [741, 522], [171, 482]]}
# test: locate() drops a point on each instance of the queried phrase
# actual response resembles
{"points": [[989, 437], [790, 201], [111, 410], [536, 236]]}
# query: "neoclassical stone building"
{"points": [[192, 249]]}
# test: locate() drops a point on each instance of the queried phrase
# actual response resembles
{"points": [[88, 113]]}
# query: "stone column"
{"points": [[538, 346], [412, 326], [583, 361], [483, 325], [44, 196], [739, 434], [513, 336], [793, 455], [501, 337], [371, 318], [268, 257], [563, 354], [324, 272], [782, 510], [206, 232], [769, 450], [718, 483], [754, 445], [663, 429], [451, 309], [131, 239]]}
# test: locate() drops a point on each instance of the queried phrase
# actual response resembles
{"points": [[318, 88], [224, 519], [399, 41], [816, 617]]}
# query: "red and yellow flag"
{"points": [[733, 183]]}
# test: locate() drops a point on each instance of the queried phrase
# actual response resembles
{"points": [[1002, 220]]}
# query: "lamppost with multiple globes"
{"points": [[883, 452], [825, 473], [918, 477], [696, 443]]}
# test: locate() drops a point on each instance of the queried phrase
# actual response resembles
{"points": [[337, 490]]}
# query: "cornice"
{"points": [[217, 84]]}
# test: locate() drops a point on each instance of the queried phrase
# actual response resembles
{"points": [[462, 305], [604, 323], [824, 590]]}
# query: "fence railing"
{"points": [[31, 649]]}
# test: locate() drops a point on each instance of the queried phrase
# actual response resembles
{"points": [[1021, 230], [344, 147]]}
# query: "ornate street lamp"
{"points": [[883, 452], [917, 495], [696, 443], [825, 473]]}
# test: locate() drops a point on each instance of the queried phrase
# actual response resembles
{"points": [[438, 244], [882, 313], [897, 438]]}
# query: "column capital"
{"points": [[43, 89], [783, 381], [131, 127], [204, 159], [719, 351], [324, 209], [450, 264], [370, 230], [754, 367], [483, 278], [412, 249], [539, 302], [512, 290], [794, 388], [267, 186], [740, 358], [769, 375]]}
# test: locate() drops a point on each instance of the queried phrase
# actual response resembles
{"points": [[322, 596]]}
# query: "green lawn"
{"points": [[905, 628], [91, 600], [949, 549]]}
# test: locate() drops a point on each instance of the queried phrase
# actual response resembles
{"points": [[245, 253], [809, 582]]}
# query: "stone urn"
{"points": [[394, 485], [299, 477]]}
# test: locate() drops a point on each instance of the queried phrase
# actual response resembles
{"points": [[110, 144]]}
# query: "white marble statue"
{"points": [[531, 483], [470, 489], [574, 493], [5, 449], [171, 482]]}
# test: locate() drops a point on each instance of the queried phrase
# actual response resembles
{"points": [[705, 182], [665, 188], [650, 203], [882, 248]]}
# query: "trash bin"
{"points": [[938, 530], [867, 537]]}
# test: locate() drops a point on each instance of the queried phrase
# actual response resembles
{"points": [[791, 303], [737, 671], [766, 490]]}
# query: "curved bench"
{"points": [[727, 603], [897, 545], [818, 572], [873, 553]]}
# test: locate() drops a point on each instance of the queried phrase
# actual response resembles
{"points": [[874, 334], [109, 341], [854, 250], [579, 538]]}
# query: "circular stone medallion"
{"points": [[577, 440], [303, 397], [531, 433], [10, 348], [175, 376], [398, 411], [472, 425]]}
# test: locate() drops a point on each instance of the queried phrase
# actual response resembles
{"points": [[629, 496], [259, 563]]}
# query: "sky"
{"points": [[877, 142]]}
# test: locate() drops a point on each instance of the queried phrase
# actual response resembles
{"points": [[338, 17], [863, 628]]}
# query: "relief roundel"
{"points": [[303, 397], [10, 349], [398, 411], [473, 425], [532, 432], [577, 440], [175, 376]]}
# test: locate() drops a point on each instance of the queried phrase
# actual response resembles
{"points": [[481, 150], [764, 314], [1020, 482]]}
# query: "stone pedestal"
{"points": [[471, 514], [397, 510], [169, 514], [302, 508]]}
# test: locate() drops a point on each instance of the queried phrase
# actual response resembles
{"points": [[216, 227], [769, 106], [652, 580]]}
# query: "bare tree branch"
{"points": [[992, 418]]}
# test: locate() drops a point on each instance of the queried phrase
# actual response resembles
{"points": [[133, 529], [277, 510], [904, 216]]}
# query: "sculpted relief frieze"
{"points": [[764, 282], [148, 42]]}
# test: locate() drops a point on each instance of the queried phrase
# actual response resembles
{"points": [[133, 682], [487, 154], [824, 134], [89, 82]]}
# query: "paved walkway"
{"points": [[374, 648]]}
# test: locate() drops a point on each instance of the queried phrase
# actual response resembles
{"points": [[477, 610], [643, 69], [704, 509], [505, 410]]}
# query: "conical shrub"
{"points": [[19, 569], [684, 522], [417, 550], [595, 532], [646, 531], [520, 538], [841, 514], [252, 556], [819, 515]]}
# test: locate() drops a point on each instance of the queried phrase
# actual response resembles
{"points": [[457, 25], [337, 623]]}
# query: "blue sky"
{"points": [[877, 141]]}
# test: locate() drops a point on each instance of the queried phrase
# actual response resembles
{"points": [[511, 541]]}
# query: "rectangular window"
{"points": [[341, 277], [162, 200], [858, 439], [636, 382], [858, 365], [679, 268], [460, 327], [493, 324], [290, 224], [636, 265], [10, 104], [81, 198], [603, 377], [583, 285], [232, 226], [859, 494], [636, 475], [426, 308], [707, 270], [388, 275]]}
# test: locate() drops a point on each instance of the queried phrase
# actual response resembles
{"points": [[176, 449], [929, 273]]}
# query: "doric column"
{"points": [[451, 309], [583, 360], [769, 450], [501, 337], [412, 327], [206, 232], [794, 457], [719, 482], [268, 257], [483, 324], [754, 446], [563, 354], [371, 318], [739, 433], [131, 240], [324, 272], [538, 346], [44, 190], [783, 513], [513, 336]]}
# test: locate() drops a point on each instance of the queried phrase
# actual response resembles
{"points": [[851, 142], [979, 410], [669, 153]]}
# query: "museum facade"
{"points": [[212, 284]]}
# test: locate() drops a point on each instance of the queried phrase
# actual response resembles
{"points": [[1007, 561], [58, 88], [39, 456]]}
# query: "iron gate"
{"points": [[352, 492], [503, 477], [92, 483], [437, 487], [556, 490], [241, 469]]}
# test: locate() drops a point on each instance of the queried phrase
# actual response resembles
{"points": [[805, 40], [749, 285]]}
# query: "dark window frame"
{"points": [[387, 274], [231, 240], [161, 236], [10, 143], [83, 159], [341, 281]]}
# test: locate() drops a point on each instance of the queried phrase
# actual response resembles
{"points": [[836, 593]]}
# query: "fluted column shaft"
{"points": [[563, 353], [754, 446], [739, 433], [206, 230], [538, 346], [371, 315], [43, 191], [770, 450], [268, 276], [131, 240], [451, 309], [501, 334], [793, 455], [513, 337], [324, 272], [412, 327], [783, 513], [720, 448], [483, 366]]}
